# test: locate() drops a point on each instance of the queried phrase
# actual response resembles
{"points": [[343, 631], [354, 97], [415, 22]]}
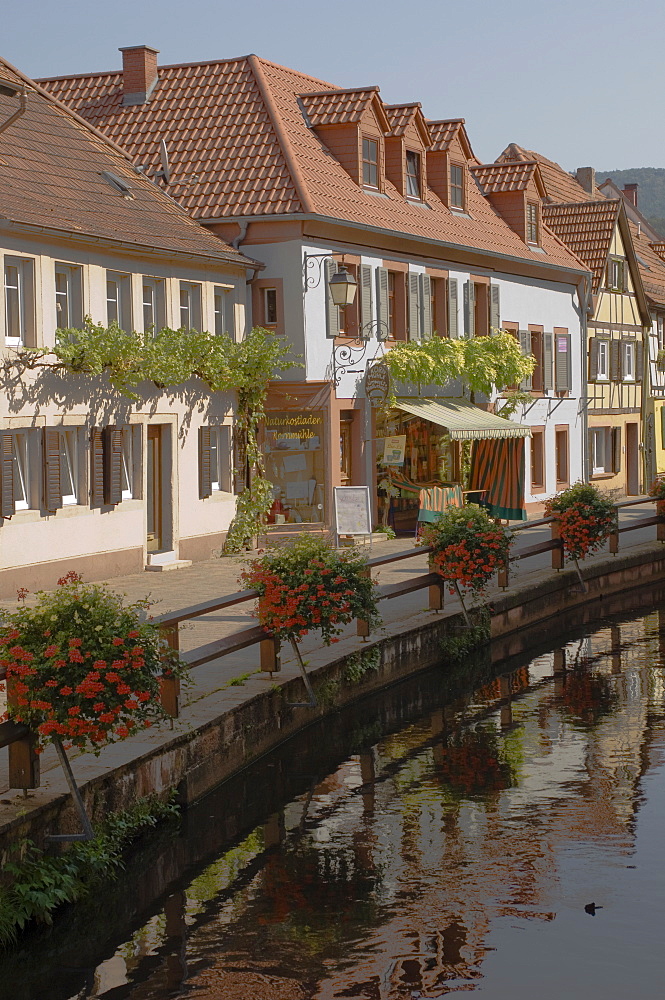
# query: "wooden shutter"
{"points": [[469, 308], [96, 467], [639, 361], [426, 300], [525, 346], [562, 362], [205, 467], [495, 308], [615, 360], [616, 448], [382, 303], [366, 301], [453, 316], [51, 462], [332, 311], [548, 361], [593, 359], [7, 475], [414, 306], [112, 437]]}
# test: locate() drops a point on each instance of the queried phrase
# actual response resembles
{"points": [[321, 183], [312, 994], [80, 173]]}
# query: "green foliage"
{"points": [[360, 664], [482, 363], [586, 518], [386, 530], [652, 187], [307, 585], [252, 506], [39, 883], [468, 546], [84, 666], [455, 648]]}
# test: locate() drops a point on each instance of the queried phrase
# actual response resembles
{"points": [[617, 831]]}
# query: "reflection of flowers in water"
{"points": [[471, 762], [588, 697]]}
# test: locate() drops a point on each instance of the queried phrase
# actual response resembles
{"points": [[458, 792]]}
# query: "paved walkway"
{"points": [[224, 683]]}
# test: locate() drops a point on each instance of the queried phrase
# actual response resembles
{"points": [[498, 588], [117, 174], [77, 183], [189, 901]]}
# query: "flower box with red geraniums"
{"points": [[586, 518], [82, 667], [469, 547], [307, 585]]}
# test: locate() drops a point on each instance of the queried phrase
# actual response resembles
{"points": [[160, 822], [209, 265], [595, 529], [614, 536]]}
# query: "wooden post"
{"points": [[362, 627], [169, 686], [271, 661], [660, 527], [557, 553], [502, 576], [23, 761], [435, 591], [613, 539]]}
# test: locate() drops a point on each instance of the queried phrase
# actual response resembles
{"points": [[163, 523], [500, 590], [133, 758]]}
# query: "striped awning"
{"points": [[463, 420]]}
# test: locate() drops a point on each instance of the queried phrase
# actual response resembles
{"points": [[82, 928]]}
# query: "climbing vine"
{"points": [[169, 358]]}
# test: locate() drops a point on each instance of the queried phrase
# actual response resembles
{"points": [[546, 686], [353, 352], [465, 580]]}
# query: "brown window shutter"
{"points": [[7, 473], [593, 358], [205, 470], [51, 461], [96, 468], [112, 437], [616, 449], [639, 361], [615, 360]]}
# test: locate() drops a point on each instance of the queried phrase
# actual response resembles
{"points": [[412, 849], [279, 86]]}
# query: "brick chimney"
{"points": [[139, 73], [630, 193], [586, 177]]}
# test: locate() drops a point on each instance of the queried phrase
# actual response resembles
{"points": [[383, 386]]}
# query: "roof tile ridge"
{"points": [[285, 146], [446, 121], [78, 76], [406, 104], [296, 72], [579, 204], [372, 89]]}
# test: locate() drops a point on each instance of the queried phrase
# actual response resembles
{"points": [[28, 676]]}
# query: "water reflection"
{"points": [[454, 853]]}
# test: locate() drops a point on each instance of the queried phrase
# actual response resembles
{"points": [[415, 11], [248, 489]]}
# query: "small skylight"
{"points": [[117, 183]]}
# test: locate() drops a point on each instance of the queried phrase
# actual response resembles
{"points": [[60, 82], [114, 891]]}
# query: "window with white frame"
{"points": [[628, 360], [220, 458], [603, 362], [68, 297], [154, 304], [21, 471], [19, 308], [190, 306], [270, 306], [660, 328], [69, 466], [615, 274], [127, 467], [601, 450], [119, 299], [223, 304], [412, 174]]}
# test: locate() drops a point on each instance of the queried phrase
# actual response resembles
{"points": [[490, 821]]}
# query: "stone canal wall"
{"points": [[196, 759]]}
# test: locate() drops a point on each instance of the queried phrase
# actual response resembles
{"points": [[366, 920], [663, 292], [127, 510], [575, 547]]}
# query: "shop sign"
{"points": [[377, 384], [393, 450]]}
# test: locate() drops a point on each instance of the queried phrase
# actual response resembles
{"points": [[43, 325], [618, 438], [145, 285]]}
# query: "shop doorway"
{"points": [[632, 460], [154, 489]]}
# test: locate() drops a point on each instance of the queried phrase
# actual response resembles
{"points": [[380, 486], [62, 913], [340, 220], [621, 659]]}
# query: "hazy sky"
{"points": [[578, 80]]}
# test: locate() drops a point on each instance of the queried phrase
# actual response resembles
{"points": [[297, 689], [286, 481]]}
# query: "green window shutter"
{"points": [[7, 475], [453, 316], [525, 347], [96, 467], [562, 363], [414, 306], [495, 308], [548, 361], [366, 317], [426, 299], [469, 309], [205, 466], [112, 438], [382, 303], [332, 311], [639, 361], [51, 463], [615, 360], [593, 359]]}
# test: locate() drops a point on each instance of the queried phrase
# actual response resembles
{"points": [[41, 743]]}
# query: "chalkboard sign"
{"points": [[352, 510]]}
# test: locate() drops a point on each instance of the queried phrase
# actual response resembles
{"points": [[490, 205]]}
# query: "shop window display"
{"points": [[294, 463]]}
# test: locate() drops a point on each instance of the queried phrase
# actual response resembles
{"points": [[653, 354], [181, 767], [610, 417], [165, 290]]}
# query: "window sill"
{"points": [[461, 212], [603, 475], [218, 496], [375, 193]]}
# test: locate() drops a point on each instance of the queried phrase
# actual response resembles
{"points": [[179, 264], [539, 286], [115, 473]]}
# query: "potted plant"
{"points": [[585, 517]]}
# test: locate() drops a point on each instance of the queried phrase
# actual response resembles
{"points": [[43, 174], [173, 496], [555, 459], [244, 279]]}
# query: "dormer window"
{"points": [[370, 163], [456, 186], [412, 174], [531, 223]]}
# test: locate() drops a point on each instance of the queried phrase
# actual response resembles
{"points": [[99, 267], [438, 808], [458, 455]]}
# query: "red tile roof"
{"points": [[561, 186], [240, 145], [651, 262], [587, 228], [495, 177], [443, 132], [337, 107]]}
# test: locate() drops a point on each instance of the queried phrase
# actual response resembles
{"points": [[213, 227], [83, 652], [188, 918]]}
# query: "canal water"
{"points": [[497, 830]]}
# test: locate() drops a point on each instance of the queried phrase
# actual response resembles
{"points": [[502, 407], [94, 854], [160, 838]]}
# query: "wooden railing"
{"points": [[24, 763]]}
